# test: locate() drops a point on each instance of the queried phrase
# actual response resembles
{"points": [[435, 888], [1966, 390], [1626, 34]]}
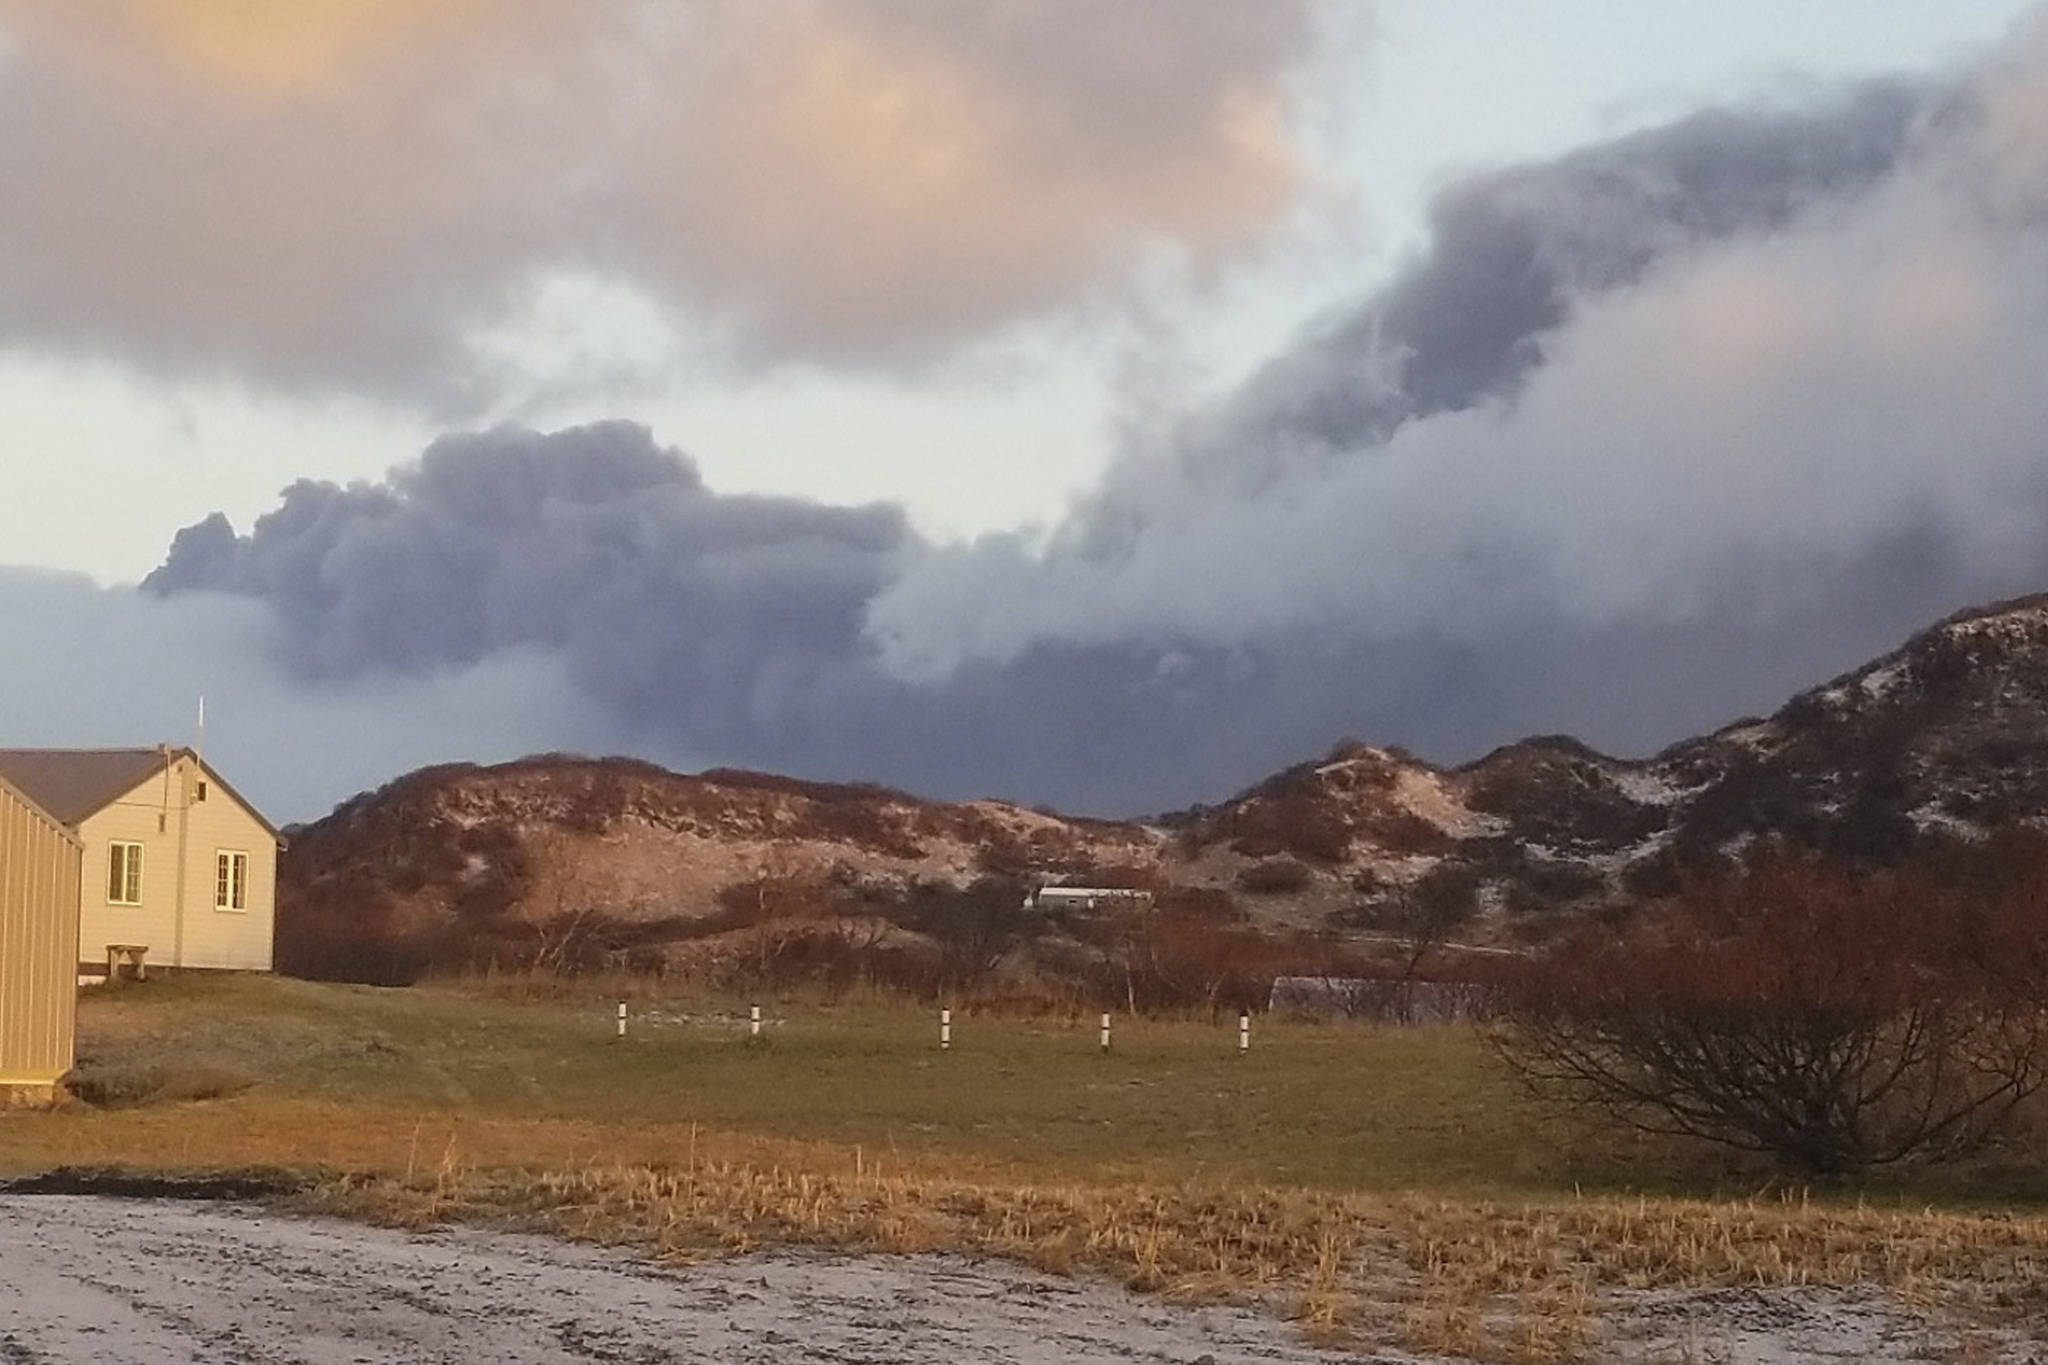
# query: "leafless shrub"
{"points": [[1291, 822], [1200, 903], [974, 927], [1274, 877], [1832, 1019]]}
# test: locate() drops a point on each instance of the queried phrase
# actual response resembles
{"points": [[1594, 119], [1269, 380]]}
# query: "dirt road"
{"points": [[133, 1281]]}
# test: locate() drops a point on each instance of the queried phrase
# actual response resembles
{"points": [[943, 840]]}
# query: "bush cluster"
{"points": [[1830, 1017]]}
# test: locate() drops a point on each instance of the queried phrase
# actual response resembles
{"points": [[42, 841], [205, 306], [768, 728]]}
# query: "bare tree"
{"points": [[1832, 1020], [974, 926], [1423, 915]]}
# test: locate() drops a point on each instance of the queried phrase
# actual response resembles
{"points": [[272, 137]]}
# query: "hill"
{"points": [[1940, 742]]}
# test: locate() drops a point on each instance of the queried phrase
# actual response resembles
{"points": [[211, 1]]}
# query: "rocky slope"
{"points": [[1942, 740]]}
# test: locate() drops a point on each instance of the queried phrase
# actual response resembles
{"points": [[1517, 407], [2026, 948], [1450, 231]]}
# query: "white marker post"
{"points": [[1244, 1033], [945, 1030], [754, 1021], [1105, 1033], [622, 1018]]}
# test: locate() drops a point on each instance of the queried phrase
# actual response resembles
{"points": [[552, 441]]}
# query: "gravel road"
{"points": [[147, 1280]]}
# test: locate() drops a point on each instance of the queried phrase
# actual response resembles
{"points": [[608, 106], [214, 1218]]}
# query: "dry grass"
{"points": [[1370, 1185], [115, 1085], [1490, 1282]]}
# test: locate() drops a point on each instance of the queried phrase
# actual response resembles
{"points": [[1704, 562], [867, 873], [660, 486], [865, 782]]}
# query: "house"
{"points": [[179, 870], [1087, 898], [39, 877]]}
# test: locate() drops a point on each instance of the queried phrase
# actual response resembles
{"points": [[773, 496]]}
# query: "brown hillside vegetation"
{"points": [[563, 862], [547, 860]]}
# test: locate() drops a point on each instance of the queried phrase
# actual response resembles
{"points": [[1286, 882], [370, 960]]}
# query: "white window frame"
{"points": [[231, 881], [127, 853]]}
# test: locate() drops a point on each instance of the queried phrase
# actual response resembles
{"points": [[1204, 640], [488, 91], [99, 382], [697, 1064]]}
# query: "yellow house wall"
{"points": [[39, 874], [240, 940], [179, 835], [148, 815]]}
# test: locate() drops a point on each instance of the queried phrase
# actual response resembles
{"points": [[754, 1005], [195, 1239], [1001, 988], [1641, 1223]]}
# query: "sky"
{"points": [[1099, 406]]}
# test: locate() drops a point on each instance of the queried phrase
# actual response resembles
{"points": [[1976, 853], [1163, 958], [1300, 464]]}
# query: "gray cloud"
{"points": [[1513, 251], [1761, 394], [346, 194], [1512, 255], [1749, 378], [96, 666]]}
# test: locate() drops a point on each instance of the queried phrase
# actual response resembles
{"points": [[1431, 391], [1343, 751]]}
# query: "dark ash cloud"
{"points": [[1512, 251], [593, 541]]}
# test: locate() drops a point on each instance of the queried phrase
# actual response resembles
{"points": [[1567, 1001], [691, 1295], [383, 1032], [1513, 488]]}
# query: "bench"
{"points": [[120, 955]]}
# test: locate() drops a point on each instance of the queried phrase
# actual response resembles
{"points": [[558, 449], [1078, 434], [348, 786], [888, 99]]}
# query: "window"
{"points": [[124, 873], [230, 881]]}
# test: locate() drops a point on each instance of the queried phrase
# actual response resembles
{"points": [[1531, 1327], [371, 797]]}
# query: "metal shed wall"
{"points": [[40, 866]]}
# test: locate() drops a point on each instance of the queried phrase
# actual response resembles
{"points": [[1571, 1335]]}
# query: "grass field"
{"points": [[1369, 1177], [1327, 1107]]}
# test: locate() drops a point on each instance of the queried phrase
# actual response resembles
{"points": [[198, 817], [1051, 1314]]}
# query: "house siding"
{"points": [[180, 835], [240, 940], [39, 881]]}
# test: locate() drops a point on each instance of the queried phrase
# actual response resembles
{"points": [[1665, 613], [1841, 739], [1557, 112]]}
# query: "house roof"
{"points": [[36, 808], [71, 784]]}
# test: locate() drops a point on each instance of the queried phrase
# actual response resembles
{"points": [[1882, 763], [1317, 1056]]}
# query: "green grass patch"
{"points": [[333, 1072]]}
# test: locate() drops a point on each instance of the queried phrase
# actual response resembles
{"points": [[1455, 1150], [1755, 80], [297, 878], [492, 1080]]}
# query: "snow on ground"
{"points": [[1790, 1326], [2016, 625], [1931, 818], [1759, 736], [1879, 683], [137, 1282], [1649, 787], [143, 1281]]}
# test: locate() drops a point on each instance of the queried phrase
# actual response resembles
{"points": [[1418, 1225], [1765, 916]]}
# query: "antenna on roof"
{"points": [[199, 741]]}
